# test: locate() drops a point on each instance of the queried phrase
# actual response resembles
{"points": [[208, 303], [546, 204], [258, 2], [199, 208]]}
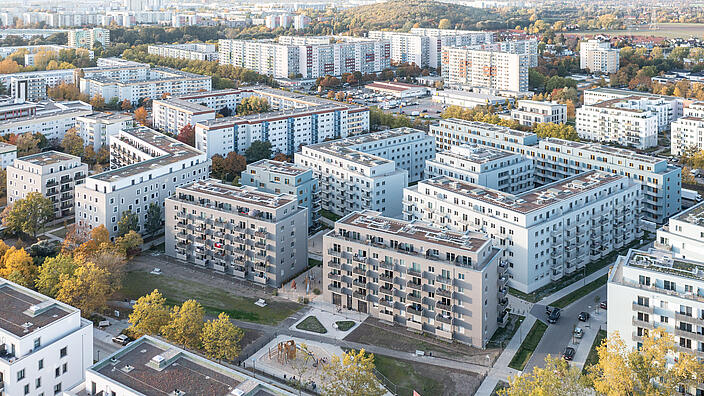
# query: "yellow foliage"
{"points": [[18, 266]]}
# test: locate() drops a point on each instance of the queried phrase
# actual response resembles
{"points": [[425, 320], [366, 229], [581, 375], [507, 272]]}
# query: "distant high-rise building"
{"points": [[87, 38], [598, 56]]}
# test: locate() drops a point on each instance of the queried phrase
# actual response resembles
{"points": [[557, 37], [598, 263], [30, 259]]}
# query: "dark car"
{"points": [[554, 315], [569, 353], [583, 316], [602, 305]]}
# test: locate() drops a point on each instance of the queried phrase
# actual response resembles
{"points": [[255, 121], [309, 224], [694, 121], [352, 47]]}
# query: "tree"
{"points": [[281, 157], [221, 339], [28, 214], [72, 143], [18, 267], [152, 224], [98, 102], [622, 371], [126, 105], [113, 261], [86, 289], [559, 131], [235, 164], [258, 150], [48, 281], [27, 144], [185, 324], [444, 24], [351, 375], [141, 116], [187, 134], [128, 222], [557, 378], [252, 105], [129, 244], [149, 315]]}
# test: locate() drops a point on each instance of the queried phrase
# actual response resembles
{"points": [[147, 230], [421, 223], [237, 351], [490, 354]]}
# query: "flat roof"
{"points": [[285, 168], [602, 149], [245, 194], [23, 311], [693, 215], [477, 154], [184, 105], [393, 86], [488, 127], [48, 158], [665, 262], [526, 202], [269, 116], [108, 117]]}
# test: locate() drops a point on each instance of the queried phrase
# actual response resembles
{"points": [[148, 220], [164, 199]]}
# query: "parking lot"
{"points": [[412, 107]]}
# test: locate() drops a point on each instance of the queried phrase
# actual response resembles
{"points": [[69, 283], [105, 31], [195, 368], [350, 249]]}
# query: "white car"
{"points": [[578, 332]]}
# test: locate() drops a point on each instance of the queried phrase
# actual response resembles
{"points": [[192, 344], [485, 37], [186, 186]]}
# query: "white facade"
{"points": [[147, 166], [598, 56], [95, 129], [32, 86], [530, 112], [8, 154], [468, 99], [547, 232], [687, 132], [51, 119], [631, 121], [87, 38], [485, 68], [497, 169], [170, 115], [45, 345], [675, 105], [683, 236], [201, 52]]}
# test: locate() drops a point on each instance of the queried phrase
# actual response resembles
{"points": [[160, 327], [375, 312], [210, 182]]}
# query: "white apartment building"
{"points": [[631, 121], [135, 83], [531, 112], [598, 56], [150, 366], [87, 38], [194, 51], [51, 119], [426, 278], [146, 167], [675, 105], [45, 345], [96, 128], [172, 114], [11, 108], [547, 232], [51, 173], [555, 159], [683, 236], [485, 68], [497, 169], [687, 132], [527, 47], [32, 50], [32, 86], [423, 46], [470, 100], [8, 155], [239, 231]]}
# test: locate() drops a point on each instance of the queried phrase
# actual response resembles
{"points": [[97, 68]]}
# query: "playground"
{"points": [[290, 359]]}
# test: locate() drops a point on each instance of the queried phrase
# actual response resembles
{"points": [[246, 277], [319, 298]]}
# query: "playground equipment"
{"points": [[285, 351]]}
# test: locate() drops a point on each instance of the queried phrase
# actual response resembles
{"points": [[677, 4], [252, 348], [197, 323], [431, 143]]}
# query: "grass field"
{"points": [[520, 359], [406, 377], [176, 291], [344, 325], [593, 356], [503, 335], [667, 30], [312, 323]]}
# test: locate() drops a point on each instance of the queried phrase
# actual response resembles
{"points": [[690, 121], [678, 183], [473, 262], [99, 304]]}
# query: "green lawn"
{"points": [[593, 356], [176, 291], [504, 334], [344, 325], [312, 323], [581, 292], [528, 346], [406, 377], [329, 215], [499, 386]]}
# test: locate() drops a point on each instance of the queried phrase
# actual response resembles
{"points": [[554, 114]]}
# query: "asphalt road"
{"points": [[559, 335]]}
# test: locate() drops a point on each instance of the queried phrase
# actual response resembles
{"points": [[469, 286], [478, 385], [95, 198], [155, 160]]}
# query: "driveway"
{"points": [[558, 336]]}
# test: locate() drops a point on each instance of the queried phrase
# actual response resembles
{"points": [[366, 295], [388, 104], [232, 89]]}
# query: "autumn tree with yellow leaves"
{"points": [[351, 374], [87, 288], [17, 266], [186, 324], [221, 339], [149, 315], [556, 378]]}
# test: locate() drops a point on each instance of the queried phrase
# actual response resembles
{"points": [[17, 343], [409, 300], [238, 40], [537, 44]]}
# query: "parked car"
{"points": [[569, 353], [602, 305], [554, 315], [578, 332], [583, 316], [121, 339]]}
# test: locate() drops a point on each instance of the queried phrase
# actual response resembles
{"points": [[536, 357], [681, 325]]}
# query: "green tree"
{"points": [[28, 214], [128, 222], [129, 244], [152, 223], [72, 143], [221, 339], [559, 131], [351, 375], [98, 102], [258, 150], [185, 324], [49, 279], [252, 105], [149, 315]]}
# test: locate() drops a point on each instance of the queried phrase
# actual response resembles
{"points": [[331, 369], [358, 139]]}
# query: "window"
{"points": [[37, 343], [64, 352], [26, 389], [57, 388], [57, 372], [38, 383], [20, 375], [41, 364], [64, 368]]}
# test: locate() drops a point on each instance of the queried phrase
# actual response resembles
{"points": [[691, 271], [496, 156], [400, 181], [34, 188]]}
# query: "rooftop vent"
{"points": [[127, 368]]}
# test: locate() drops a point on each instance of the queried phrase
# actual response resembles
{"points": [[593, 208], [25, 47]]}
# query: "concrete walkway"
{"points": [[574, 286]]}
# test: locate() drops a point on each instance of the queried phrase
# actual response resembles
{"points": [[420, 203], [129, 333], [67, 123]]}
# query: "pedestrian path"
{"points": [[547, 300]]}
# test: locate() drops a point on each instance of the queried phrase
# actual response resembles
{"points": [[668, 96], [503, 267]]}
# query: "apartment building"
{"points": [[146, 167], [8, 155], [314, 57], [88, 38], [525, 47], [32, 86], [32, 50], [423, 46], [172, 114], [96, 128], [413, 274], [286, 178], [531, 112], [194, 51], [497, 169], [239, 231], [547, 232], [598, 57], [687, 132], [51, 119], [675, 105], [631, 121], [45, 345], [555, 159], [135, 83], [485, 68], [683, 235], [51, 173], [150, 366], [11, 108]]}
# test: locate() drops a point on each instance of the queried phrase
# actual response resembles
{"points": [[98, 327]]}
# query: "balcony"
{"points": [[443, 319], [260, 279], [386, 278], [386, 316], [359, 271], [641, 323], [417, 326], [689, 334], [413, 311], [413, 298], [502, 292], [443, 333], [443, 293], [387, 291], [502, 282], [415, 286], [334, 253], [334, 289], [334, 276], [443, 280], [688, 318], [413, 272], [359, 283], [333, 264], [443, 306], [359, 296], [642, 308]]}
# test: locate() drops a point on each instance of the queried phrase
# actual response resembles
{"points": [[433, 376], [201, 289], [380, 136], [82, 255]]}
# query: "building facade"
{"points": [[675, 105], [172, 114], [32, 86], [95, 129], [485, 68], [683, 236], [53, 174], [146, 167], [196, 51], [531, 112], [428, 279], [286, 178], [239, 231], [555, 159], [45, 345], [87, 38], [8, 155], [51, 119], [598, 57], [687, 132]]}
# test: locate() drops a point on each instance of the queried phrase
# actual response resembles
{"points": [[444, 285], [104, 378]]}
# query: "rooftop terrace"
{"points": [[663, 262]]}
